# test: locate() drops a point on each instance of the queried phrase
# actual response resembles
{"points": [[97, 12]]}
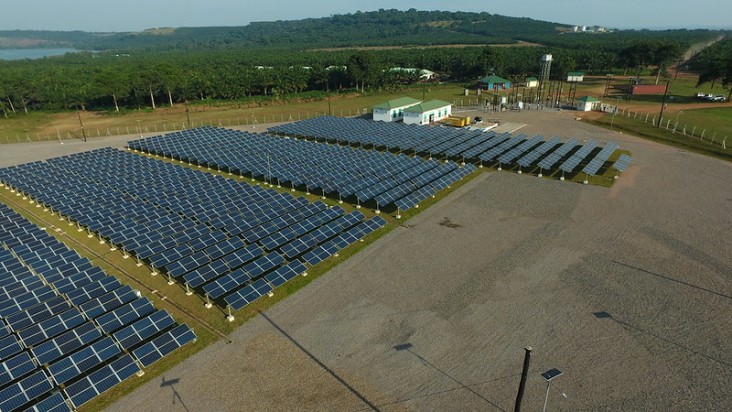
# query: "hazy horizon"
{"points": [[138, 15]]}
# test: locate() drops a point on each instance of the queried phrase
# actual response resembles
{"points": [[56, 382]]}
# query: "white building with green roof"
{"points": [[427, 112], [587, 103], [393, 110]]}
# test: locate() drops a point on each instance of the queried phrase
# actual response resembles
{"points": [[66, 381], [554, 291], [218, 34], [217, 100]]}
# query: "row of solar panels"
{"points": [[68, 335], [468, 145], [207, 232], [362, 175]]}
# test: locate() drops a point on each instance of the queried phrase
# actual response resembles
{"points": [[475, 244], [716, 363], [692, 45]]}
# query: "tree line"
{"points": [[111, 81]]}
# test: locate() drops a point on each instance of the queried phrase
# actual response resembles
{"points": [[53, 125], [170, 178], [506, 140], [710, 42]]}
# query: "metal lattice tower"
{"points": [[546, 68]]}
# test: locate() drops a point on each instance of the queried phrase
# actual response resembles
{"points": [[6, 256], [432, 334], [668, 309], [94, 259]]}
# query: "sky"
{"points": [[137, 15]]}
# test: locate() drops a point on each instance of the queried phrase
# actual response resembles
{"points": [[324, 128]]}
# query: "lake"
{"points": [[19, 54]]}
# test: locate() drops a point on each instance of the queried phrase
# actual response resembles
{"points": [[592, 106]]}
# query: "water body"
{"points": [[20, 54]]}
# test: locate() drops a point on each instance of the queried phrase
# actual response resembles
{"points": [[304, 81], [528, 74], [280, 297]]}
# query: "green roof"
{"points": [[494, 79], [528, 79], [576, 74], [588, 99], [400, 102], [426, 106]]}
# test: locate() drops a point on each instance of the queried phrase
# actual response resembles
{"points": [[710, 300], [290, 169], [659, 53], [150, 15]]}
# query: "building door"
{"points": [[432, 117]]}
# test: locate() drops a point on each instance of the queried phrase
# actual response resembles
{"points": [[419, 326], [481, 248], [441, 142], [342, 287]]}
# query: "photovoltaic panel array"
{"points": [[209, 233], [53, 332], [570, 164], [352, 174], [473, 146], [599, 160], [622, 163]]}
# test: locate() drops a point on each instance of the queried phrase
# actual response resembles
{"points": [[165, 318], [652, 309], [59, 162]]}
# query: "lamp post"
{"points": [[548, 376]]}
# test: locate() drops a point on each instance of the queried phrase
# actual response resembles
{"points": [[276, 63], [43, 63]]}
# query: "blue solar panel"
{"points": [[554, 157], [101, 380], [595, 164], [622, 163], [154, 350], [83, 360], [108, 301], [53, 403], [51, 327], [144, 328], [248, 294], [9, 346], [124, 315], [285, 273], [531, 156], [25, 390], [66, 343], [570, 164], [15, 367]]}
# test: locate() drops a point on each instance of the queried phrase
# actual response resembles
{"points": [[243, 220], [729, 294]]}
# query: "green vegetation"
{"points": [[677, 139]]}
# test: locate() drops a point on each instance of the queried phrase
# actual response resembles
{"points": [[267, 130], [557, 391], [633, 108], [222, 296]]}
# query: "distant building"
{"points": [[424, 74], [427, 112], [587, 103], [393, 110], [647, 89], [532, 82], [575, 76], [494, 83]]}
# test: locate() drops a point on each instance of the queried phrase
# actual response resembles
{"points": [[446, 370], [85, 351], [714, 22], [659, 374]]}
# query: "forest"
{"points": [[227, 64]]}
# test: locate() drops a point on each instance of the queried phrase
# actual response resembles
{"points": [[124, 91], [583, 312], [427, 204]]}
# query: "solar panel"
{"points": [[99, 381], [15, 367], [156, 349], [9, 346], [531, 156], [570, 164], [124, 315], [595, 164], [144, 328], [65, 343], [285, 273], [25, 390], [81, 361], [554, 157], [51, 327], [248, 294], [622, 163], [53, 403], [108, 301]]}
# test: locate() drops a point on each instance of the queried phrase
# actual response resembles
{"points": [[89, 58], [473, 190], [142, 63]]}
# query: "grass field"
{"points": [[45, 126]]}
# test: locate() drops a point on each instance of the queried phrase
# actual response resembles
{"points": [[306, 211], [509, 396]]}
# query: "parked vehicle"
{"points": [[718, 98]]}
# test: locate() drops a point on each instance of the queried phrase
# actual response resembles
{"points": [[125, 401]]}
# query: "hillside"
{"points": [[378, 28]]}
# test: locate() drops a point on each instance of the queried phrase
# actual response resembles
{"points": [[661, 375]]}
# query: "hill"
{"points": [[377, 28]]}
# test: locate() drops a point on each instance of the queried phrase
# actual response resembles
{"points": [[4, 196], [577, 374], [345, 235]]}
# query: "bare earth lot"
{"points": [[627, 290]]}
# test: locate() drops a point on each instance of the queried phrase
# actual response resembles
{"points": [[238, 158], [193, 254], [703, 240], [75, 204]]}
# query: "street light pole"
{"points": [[548, 376], [663, 105]]}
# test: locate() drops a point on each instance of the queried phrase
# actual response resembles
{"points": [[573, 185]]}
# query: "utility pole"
{"points": [[663, 105], [83, 132], [188, 116]]}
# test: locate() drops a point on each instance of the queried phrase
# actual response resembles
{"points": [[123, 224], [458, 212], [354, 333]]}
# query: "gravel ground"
{"points": [[627, 290]]}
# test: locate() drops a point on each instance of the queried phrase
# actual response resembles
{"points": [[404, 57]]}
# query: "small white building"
{"points": [[393, 110], [575, 76], [427, 112], [587, 103], [532, 82]]}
